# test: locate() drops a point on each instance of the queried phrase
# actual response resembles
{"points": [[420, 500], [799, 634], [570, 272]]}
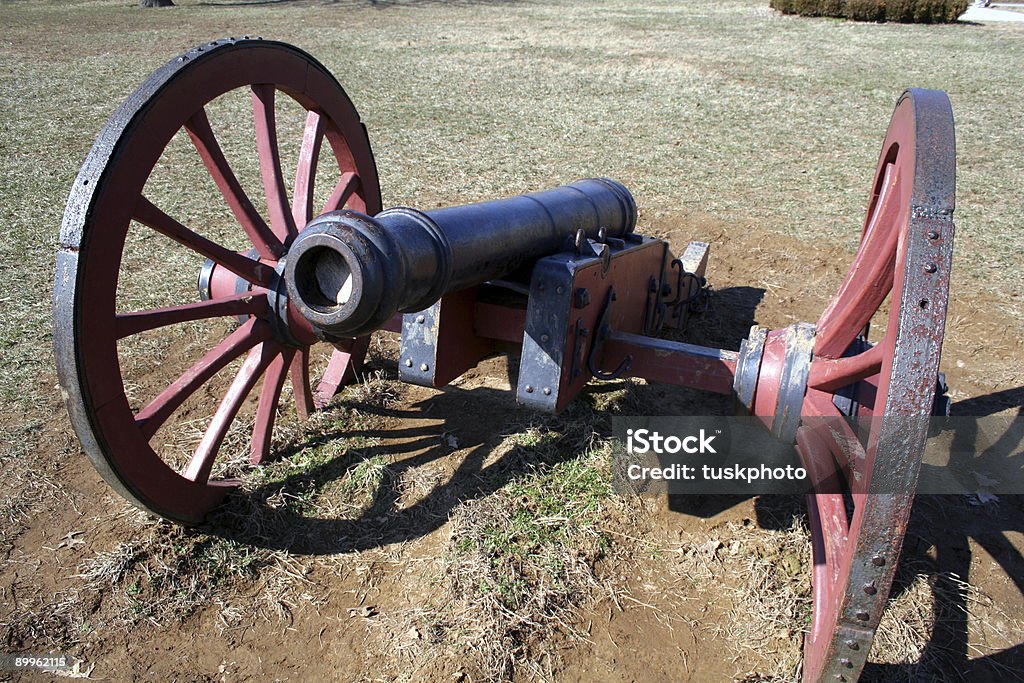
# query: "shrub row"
{"points": [[903, 11]]}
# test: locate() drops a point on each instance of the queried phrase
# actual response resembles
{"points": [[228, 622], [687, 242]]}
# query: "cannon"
{"points": [[559, 278]]}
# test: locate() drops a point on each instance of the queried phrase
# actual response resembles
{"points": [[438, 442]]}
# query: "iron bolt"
{"points": [[933, 235], [847, 663], [559, 289], [863, 616], [931, 268], [544, 337], [840, 677], [878, 560], [529, 388], [424, 367], [420, 319], [408, 362], [853, 644], [870, 589], [547, 391]]}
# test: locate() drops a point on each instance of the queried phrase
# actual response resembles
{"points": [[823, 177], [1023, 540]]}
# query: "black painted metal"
{"points": [[348, 273]]}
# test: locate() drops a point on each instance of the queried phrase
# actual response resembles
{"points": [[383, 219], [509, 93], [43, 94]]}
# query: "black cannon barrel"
{"points": [[348, 273]]}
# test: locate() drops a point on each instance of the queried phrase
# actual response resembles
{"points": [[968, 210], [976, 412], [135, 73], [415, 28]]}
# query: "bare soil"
{"points": [[350, 612]]}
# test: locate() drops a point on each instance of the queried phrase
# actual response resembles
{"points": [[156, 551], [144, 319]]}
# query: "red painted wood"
{"points": [[262, 238], [253, 271], [246, 303], [305, 174], [266, 411], [345, 362], [198, 469], [150, 418], [278, 206]]}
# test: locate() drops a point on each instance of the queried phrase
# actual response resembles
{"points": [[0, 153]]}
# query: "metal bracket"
{"points": [[603, 331]]}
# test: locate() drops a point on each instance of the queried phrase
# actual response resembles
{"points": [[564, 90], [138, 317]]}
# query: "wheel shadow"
{"points": [[266, 516], [937, 548]]}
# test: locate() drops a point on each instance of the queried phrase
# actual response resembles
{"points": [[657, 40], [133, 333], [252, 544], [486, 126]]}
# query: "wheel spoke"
{"points": [[830, 374], [830, 424], [270, 162], [253, 271], [255, 363], [362, 199], [345, 362], [252, 332], [301, 390], [266, 243], [305, 174], [342, 192], [828, 508], [114, 191], [870, 277], [246, 303], [266, 412]]}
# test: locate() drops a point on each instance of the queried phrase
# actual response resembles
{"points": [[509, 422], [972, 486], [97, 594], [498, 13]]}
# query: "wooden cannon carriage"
{"points": [[561, 278]]}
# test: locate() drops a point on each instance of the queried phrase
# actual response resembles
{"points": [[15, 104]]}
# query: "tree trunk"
{"points": [[156, 3]]}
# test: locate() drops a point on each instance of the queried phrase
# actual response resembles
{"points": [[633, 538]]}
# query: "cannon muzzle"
{"points": [[349, 273]]}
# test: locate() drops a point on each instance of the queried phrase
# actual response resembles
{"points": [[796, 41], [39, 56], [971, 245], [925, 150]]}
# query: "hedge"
{"points": [[903, 11]]}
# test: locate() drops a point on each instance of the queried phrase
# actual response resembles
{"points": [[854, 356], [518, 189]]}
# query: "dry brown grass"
{"points": [[718, 108]]}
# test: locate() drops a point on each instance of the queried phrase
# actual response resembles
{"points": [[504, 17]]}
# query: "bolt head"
{"points": [[878, 561], [408, 362], [420, 319], [863, 616], [853, 644], [931, 268], [424, 367], [870, 589], [933, 235], [529, 389], [547, 391]]}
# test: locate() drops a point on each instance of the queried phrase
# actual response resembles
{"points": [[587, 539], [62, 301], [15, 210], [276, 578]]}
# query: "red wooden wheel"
{"points": [[905, 254], [117, 427]]}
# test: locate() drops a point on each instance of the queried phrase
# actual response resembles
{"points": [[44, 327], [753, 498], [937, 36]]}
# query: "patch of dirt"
{"points": [[355, 599]]}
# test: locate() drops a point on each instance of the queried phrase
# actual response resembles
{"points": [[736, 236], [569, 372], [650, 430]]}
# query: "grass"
{"points": [[723, 109], [761, 579], [519, 564], [726, 109]]}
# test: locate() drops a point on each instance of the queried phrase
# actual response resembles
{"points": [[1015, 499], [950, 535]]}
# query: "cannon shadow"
{"points": [[937, 544], [256, 516]]}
